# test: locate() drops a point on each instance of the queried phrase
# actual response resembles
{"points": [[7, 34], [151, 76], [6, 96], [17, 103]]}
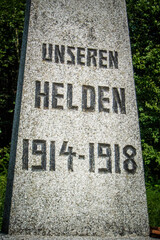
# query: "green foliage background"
{"points": [[144, 25], [11, 29]]}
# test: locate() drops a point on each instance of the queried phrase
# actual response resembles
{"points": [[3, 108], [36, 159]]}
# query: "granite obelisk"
{"points": [[76, 165]]}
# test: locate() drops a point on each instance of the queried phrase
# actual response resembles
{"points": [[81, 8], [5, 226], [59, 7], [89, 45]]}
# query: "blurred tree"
{"points": [[11, 29], [144, 25]]}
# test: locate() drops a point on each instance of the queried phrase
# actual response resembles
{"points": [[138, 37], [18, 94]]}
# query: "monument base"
{"points": [[28, 237]]}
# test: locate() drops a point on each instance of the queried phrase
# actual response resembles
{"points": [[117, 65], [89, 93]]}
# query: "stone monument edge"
{"points": [[137, 112], [14, 138]]}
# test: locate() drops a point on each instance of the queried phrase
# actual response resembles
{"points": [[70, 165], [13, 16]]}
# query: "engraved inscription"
{"points": [[117, 158], [88, 92], [104, 151], [88, 99], [68, 153], [113, 162], [39, 94], [52, 156], [70, 97], [103, 58], [41, 152], [47, 53], [71, 55], [91, 57], [119, 99], [56, 95], [59, 54], [91, 158], [25, 154], [102, 99], [129, 164]]}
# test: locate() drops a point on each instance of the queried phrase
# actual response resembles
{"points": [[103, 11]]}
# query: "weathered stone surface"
{"points": [[78, 168], [7, 237]]}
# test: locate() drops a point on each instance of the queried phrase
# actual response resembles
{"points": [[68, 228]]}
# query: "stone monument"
{"points": [[76, 168]]}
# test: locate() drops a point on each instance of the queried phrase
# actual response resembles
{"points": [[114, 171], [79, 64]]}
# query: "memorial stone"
{"points": [[76, 169]]}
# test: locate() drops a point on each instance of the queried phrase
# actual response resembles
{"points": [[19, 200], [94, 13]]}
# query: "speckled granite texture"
{"points": [[78, 168], [3, 237]]}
